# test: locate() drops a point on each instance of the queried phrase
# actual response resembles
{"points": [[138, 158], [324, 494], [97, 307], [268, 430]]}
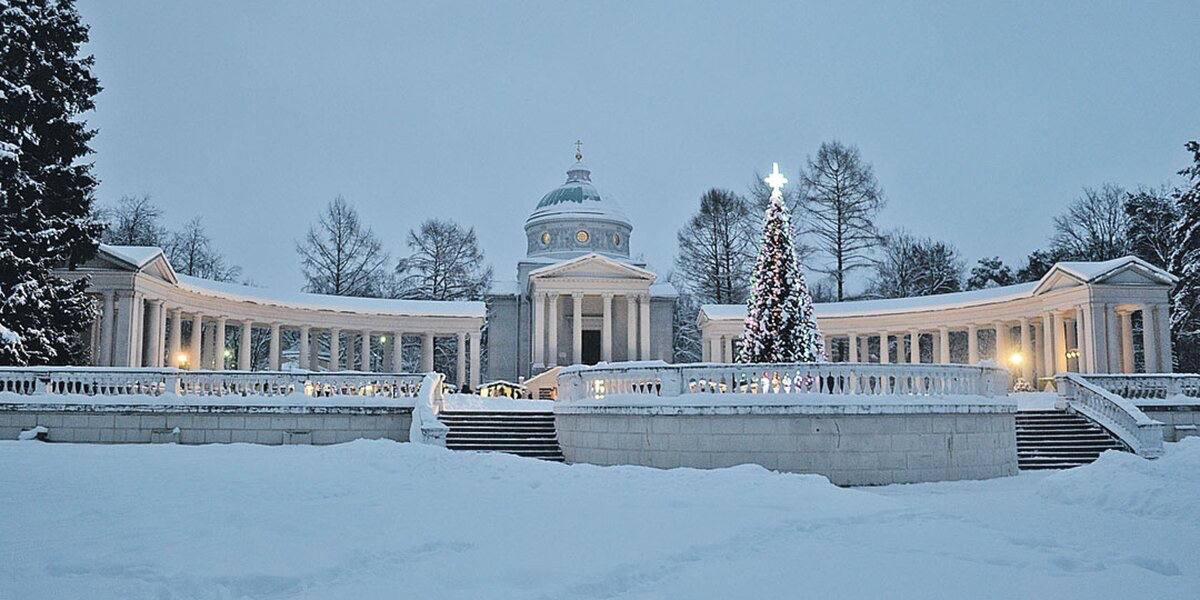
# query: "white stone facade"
{"points": [[145, 304], [1077, 318]]}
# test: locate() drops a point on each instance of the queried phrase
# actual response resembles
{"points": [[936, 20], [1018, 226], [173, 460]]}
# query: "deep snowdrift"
{"points": [[388, 520]]}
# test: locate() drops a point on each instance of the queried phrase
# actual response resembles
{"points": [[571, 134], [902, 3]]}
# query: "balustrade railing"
{"points": [[1148, 386], [813, 378], [54, 381], [1115, 413]]}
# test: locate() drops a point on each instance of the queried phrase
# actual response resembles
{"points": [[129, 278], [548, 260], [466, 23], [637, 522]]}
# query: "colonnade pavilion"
{"points": [[580, 298], [1079, 317], [144, 305]]}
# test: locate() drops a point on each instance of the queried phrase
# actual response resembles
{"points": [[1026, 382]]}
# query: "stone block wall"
{"points": [[1179, 421], [871, 449], [211, 425]]}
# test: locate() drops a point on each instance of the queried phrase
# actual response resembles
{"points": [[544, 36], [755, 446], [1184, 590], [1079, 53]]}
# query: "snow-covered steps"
{"points": [[1053, 439], [523, 433]]}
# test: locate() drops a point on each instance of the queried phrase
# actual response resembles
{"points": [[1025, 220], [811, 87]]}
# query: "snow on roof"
{"points": [[663, 289], [304, 300], [1086, 271], [1091, 271], [855, 308], [138, 256], [505, 288]]}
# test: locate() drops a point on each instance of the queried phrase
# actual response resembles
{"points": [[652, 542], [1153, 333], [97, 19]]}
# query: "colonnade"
{"points": [[135, 331], [546, 305], [1089, 338]]}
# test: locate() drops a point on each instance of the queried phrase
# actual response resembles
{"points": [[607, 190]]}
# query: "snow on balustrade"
{"points": [[116, 382], [582, 383], [1119, 415], [1149, 386]]}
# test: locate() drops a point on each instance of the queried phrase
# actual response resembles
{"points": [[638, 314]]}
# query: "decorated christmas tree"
{"points": [[780, 325]]}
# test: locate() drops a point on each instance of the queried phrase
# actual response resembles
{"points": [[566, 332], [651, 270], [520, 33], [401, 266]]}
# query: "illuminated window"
{"points": [[617, 240], [581, 236], [545, 238]]}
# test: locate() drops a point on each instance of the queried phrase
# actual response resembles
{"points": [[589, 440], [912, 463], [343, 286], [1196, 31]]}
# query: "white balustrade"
{"points": [[425, 427], [1148, 386], [174, 382], [584, 383], [1119, 415]]}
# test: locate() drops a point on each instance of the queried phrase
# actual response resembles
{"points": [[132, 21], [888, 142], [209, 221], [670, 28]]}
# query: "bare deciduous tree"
{"points": [[716, 249], [191, 252], [1095, 226], [911, 266], [340, 256], [134, 221], [839, 200], [446, 264]]}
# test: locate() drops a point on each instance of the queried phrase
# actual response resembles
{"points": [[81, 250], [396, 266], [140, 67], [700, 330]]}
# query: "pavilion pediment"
{"points": [[592, 266]]}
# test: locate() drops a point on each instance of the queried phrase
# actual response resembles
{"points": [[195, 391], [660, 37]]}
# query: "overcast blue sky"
{"points": [[982, 120]]}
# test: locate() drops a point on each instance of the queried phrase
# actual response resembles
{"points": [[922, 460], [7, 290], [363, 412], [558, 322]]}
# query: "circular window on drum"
{"points": [[581, 236], [616, 240], [546, 238]]}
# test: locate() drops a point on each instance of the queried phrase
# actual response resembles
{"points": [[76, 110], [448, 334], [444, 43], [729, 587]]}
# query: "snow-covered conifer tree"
{"points": [[1185, 263], [45, 191], [780, 325]]}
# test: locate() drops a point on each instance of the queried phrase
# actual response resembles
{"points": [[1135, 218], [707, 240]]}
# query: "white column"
{"points": [[576, 328], [1107, 338], [476, 363], [162, 361], [1060, 343], [1049, 354], [137, 337], [305, 362], [944, 345], [350, 351], [884, 351], [644, 326], [1081, 344], [852, 342], [397, 351], [1002, 339], [714, 349], [1126, 320], [705, 342], [274, 347], [460, 366], [552, 325], [176, 338], [106, 330], [152, 347], [194, 352], [1162, 319], [727, 342], [366, 351], [864, 348], [1027, 359], [539, 329], [606, 329], [244, 345], [914, 351], [427, 352], [972, 344], [219, 345], [631, 329], [335, 349]]}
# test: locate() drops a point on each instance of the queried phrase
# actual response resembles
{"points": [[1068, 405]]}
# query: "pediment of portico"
{"points": [[592, 269], [1128, 271], [153, 264]]}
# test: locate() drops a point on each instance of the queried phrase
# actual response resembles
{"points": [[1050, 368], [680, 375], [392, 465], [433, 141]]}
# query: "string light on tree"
{"points": [[780, 324]]}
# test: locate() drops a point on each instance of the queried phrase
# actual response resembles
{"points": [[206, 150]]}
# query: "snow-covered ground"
{"points": [[475, 402], [387, 520]]}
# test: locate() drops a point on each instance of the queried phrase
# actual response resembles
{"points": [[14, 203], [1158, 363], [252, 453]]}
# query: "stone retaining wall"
{"points": [[857, 449], [103, 424]]}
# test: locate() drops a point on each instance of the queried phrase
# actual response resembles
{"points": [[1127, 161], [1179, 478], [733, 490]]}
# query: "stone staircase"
{"points": [[529, 434], [1057, 439]]}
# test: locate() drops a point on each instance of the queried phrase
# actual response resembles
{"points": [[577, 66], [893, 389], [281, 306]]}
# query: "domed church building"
{"points": [[578, 297]]}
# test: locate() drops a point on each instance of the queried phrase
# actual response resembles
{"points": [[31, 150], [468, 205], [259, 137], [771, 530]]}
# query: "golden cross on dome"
{"points": [[578, 150], [776, 179]]}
